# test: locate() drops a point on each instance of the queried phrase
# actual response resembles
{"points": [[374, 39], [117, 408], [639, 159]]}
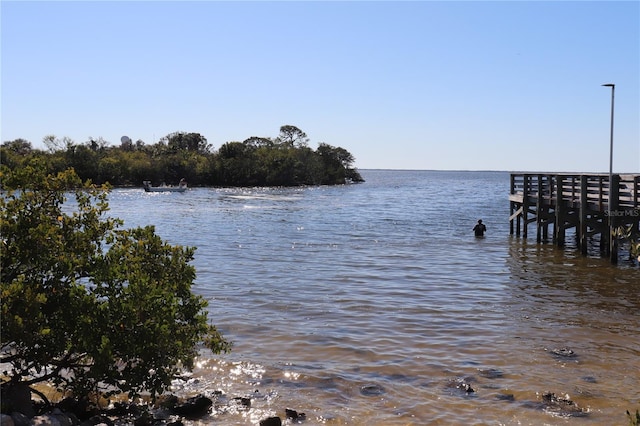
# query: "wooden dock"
{"points": [[586, 202]]}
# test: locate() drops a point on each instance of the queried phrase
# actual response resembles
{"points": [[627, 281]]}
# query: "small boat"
{"points": [[182, 186]]}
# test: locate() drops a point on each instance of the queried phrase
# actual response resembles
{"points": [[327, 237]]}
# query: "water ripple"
{"points": [[374, 303]]}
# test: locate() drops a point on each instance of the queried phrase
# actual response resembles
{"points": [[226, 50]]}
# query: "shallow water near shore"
{"points": [[374, 304]]}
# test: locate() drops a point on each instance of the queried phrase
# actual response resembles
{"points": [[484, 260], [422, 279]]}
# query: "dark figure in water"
{"points": [[480, 229]]}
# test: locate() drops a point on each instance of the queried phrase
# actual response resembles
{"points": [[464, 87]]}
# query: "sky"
{"points": [[423, 85]]}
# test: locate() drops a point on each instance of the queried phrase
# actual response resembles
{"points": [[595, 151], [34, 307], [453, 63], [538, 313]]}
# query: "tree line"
{"points": [[286, 160]]}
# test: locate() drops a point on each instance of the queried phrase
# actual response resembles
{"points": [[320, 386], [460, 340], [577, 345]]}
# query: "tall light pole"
{"points": [[610, 218]]}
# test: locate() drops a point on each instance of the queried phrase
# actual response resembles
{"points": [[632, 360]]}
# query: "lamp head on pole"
{"points": [[609, 85]]}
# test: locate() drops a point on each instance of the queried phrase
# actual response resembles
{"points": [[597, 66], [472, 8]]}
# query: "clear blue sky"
{"points": [[448, 85]]}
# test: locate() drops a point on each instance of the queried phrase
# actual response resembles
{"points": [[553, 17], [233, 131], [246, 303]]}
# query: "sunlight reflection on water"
{"points": [[370, 304]]}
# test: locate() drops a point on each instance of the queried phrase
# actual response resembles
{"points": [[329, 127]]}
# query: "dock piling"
{"points": [[593, 204]]}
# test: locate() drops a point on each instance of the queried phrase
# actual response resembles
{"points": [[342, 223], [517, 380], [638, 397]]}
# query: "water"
{"points": [[373, 304]]}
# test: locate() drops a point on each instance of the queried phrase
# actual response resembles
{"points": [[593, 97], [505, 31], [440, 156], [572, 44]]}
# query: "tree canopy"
{"points": [[86, 304], [286, 160]]}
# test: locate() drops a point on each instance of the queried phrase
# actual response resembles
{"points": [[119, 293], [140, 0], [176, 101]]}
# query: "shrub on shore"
{"points": [[86, 305]]}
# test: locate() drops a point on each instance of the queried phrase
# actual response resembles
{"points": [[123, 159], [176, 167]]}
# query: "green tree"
{"points": [[337, 165], [257, 142], [111, 169], [13, 153], [141, 167], [19, 146], [179, 141], [236, 164], [291, 136], [83, 159], [87, 305]]}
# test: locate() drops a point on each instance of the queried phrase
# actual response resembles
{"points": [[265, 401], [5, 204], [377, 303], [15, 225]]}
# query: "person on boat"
{"points": [[183, 183], [480, 229]]}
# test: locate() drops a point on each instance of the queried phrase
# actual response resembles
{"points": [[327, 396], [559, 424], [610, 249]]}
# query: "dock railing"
{"points": [[588, 202]]}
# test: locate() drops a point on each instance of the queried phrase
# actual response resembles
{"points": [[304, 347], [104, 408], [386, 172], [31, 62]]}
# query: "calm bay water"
{"points": [[372, 304]]}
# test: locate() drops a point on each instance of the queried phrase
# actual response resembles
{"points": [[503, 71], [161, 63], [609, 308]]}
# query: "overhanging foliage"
{"points": [[87, 305]]}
